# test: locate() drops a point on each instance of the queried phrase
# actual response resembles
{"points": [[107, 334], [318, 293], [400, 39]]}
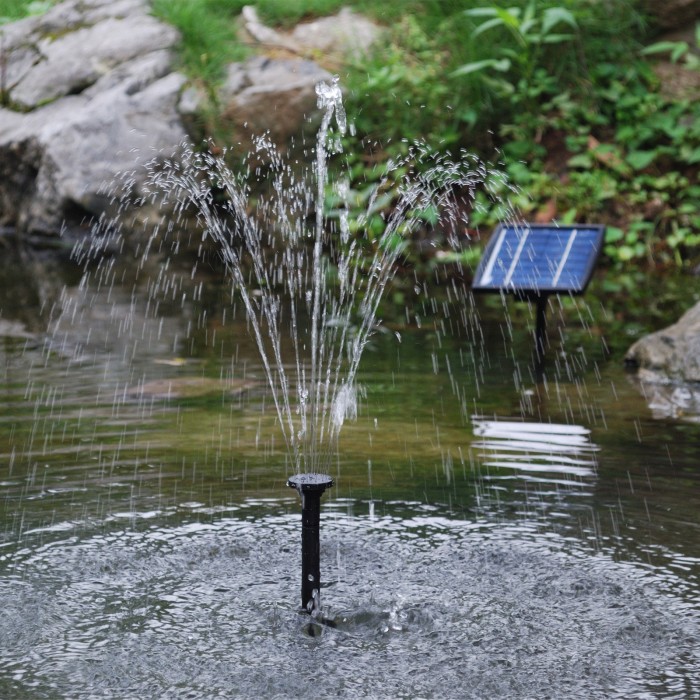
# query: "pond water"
{"points": [[487, 535]]}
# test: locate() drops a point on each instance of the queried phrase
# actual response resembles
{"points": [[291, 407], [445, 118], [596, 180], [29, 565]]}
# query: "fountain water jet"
{"points": [[271, 256], [266, 253]]}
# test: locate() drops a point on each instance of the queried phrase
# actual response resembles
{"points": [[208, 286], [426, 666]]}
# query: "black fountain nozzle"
{"points": [[310, 488]]}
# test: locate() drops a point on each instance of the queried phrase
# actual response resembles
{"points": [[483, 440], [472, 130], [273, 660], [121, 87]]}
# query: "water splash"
{"points": [[496, 610], [285, 253]]}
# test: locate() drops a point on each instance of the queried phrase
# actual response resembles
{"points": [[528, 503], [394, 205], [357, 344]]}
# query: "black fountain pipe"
{"points": [[310, 488]]}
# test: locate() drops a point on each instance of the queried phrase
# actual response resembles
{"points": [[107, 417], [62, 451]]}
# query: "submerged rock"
{"points": [[14, 329], [671, 354], [670, 400]]}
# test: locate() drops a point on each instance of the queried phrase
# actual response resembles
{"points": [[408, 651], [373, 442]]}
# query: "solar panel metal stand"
{"points": [[541, 326], [534, 261]]}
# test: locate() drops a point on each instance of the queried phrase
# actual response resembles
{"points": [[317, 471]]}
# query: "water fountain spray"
{"points": [[310, 283]]}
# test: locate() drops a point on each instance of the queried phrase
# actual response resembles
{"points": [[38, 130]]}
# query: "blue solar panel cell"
{"points": [[530, 260]]}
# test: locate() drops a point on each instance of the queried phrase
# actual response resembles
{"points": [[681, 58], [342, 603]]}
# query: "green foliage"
{"points": [[400, 92], [11, 10], [530, 31], [208, 32], [286, 13], [562, 91], [678, 51], [615, 150], [633, 166], [628, 304]]}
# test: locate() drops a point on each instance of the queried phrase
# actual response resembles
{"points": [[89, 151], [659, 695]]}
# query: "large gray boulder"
{"points": [[271, 96], [49, 68], [671, 354], [89, 93], [275, 94], [343, 36]]}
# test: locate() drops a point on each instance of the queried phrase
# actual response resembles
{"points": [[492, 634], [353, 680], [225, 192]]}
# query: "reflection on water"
{"points": [[484, 532], [669, 399], [535, 448], [548, 464]]}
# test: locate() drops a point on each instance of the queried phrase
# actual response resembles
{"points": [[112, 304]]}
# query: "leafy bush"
{"points": [[11, 10], [531, 32]]}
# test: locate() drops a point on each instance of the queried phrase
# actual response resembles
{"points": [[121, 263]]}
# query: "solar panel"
{"points": [[533, 260]]}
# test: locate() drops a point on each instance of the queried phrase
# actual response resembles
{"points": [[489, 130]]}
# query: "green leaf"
{"points": [[501, 65], [496, 22], [661, 47], [469, 116], [632, 237], [640, 159], [517, 150], [430, 215], [569, 217], [557, 15], [625, 253], [613, 234], [510, 17], [557, 38], [481, 12], [679, 51], [583, 160], [527, 25], [499, 85], [519, 173], [691, 156], [512, 54]]}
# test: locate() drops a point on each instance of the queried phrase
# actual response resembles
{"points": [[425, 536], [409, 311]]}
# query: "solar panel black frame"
{"points": [[534, 260]]}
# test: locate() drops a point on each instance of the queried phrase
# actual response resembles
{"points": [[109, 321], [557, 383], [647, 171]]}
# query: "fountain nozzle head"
{"points": [[306, 483]]}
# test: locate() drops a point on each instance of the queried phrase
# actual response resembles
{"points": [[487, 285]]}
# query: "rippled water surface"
{"points": [[488, 536]]}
